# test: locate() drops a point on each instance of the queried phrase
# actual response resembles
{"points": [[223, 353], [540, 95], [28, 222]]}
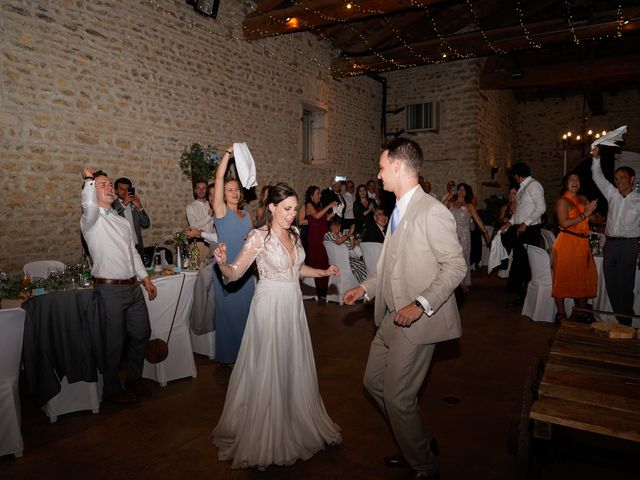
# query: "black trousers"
{"points": [[127, 331], [620, 260], [520, 272]]}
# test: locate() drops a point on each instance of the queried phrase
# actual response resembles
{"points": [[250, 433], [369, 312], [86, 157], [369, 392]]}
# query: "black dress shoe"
{"points": [[121, 397], [426, 476], [139, 387], [395, 461], [518, 302]]}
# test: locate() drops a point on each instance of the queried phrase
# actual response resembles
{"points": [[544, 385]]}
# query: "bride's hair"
{"points": [[278, 193]]}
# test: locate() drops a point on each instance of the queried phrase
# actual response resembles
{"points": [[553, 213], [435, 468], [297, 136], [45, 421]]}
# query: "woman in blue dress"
{"points": [[233, 300]]}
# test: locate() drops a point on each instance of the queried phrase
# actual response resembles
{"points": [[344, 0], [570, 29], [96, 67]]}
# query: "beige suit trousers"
{"points": [[395, 371]]}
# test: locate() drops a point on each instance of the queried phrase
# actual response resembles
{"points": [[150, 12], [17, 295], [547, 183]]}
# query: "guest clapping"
{"points": [[574, 271]]}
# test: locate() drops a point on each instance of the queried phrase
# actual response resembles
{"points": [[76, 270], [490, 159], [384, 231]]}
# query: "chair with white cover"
{"points": [[308, 288], [548, 237], [11, 331], [74, 397], [486, 250], [41, 268], [173, 296], [202, 324], [338, 286], [371, 253], [538, 304]]}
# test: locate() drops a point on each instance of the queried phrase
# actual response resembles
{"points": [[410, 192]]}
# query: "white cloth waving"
{"points": [[245, 165]]}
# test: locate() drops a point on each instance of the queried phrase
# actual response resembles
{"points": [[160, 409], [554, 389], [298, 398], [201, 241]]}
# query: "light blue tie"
{"points": [[395, 219]]}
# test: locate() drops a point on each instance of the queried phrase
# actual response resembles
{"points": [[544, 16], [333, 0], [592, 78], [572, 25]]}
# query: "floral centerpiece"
{"points": [[199, 163]]}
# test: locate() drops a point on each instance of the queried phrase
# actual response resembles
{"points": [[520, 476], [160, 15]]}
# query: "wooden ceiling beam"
{"points": [[265, 6], [320, 13], [507, 39], [594, 71]]}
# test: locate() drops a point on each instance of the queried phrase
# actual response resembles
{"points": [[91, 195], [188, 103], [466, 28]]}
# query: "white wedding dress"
{"points": [[273, 413]]}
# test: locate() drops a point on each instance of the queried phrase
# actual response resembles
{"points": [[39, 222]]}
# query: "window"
{"points": [[422, 116], [314, 135]]}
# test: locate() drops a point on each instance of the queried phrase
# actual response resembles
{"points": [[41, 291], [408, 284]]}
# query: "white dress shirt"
{"points": [[348, 206], [199, 215], [623, 217], [110, 239], [530, 203], [129, 216]]}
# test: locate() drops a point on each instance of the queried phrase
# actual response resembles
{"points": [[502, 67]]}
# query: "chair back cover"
{"points": [[548, 237], [339, 255], [540, 264], [371, 253], [40, 268], [11, 330], [180, 362]]}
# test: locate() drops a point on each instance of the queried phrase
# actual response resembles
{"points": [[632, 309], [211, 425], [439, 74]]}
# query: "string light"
{"points": [[527, 35], [570, 22], [484, 35]]}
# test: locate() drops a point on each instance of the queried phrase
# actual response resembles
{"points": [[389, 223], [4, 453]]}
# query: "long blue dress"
{"points": [[234, 299]]}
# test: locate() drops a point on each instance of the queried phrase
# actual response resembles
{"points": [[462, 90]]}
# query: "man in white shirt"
{"points": [[372, 193], [623, 234], [420, 266], [523, 229], [199, 216], [117, 268], [348, 217]]}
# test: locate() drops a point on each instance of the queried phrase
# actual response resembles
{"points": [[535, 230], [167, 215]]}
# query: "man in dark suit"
{"points": [[129, 206], [375, 231], [332, 194]]}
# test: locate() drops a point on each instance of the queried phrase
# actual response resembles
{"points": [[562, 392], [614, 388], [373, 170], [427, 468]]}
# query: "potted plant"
{"points": [[199, 163]]}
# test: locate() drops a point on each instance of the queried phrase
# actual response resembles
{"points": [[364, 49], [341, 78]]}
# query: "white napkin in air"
{"points": [[245, 165], [611, 138]]}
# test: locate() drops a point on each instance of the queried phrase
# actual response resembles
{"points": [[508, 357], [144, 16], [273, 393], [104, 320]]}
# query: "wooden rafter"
{"points": [[506, 38], [320, 13], [595, 71]]}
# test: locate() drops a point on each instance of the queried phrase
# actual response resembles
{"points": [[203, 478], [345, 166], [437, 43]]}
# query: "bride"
{"points": [[273, 412]]}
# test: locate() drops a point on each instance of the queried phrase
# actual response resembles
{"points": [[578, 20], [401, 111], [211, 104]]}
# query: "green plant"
{"points": [[198, 162]]}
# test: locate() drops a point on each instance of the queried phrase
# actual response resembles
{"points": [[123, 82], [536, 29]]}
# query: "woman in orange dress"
{"points": [[574, 271]]}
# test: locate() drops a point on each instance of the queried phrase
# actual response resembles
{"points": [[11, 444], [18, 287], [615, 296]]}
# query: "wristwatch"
{"points": [[419, 305]]}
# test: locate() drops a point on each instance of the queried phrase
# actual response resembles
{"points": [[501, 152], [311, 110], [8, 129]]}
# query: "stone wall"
{"points": [[475, 128], [540, 125], [452, 151], [126, 86]]}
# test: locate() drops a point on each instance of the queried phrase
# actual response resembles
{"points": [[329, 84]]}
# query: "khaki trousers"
{"points": [[395, 371]]}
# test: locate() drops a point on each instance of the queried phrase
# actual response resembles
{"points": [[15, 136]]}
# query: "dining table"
{"points": [[64, 336]]}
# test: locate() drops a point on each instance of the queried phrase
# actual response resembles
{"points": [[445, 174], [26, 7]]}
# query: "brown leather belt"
{"points": [[110, 281]]}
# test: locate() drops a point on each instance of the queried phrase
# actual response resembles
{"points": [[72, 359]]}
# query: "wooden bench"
{"points": [[591, 383]]}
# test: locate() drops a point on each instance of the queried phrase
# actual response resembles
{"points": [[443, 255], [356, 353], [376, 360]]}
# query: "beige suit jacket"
{"points": [[422, 258]]}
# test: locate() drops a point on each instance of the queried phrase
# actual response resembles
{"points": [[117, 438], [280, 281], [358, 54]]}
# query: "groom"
{"points": [[420, 266]]}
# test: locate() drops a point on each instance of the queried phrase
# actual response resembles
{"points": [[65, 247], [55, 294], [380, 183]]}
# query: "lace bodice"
{"points": [[272, 258]]}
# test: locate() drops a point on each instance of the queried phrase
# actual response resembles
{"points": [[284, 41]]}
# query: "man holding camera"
{"points": [[332, 194], [129, 206]]}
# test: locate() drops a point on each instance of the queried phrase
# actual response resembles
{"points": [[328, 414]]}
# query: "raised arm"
{"points": [[90, 208], [219, 207], [250, 250], [604, 185]]}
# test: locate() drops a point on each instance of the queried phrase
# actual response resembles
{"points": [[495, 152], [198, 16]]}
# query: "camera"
{"points": [[132, 191]]}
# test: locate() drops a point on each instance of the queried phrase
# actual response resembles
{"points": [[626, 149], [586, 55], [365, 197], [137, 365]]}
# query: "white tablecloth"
{"points": [[601, 301]]}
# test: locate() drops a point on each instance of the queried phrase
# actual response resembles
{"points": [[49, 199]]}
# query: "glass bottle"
{"points": [[85, 271]]}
